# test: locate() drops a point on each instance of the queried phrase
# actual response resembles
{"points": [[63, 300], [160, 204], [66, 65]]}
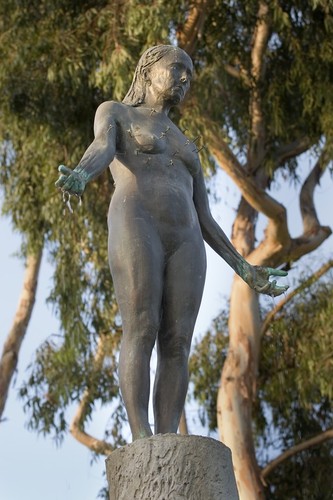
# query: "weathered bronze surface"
{"points": [[158, 220]]}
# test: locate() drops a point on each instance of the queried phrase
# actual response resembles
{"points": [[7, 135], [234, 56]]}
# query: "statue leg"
{"points": [[137, 266], [183, 287]]}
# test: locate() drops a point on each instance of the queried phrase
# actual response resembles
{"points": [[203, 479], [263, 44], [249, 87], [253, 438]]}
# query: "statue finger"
{"points": [[65, 170], [278, 290], [263, 289], [282, 288], [276, 272], [61, 181]]}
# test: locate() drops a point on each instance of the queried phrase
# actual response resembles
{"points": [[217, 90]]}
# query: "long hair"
{"points": [[137, 92]]}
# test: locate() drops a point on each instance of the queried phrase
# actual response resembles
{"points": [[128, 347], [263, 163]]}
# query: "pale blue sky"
{"points": [[31, 466]]}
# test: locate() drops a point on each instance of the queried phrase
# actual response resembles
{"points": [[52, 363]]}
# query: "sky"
{"points": [[32, 466]]}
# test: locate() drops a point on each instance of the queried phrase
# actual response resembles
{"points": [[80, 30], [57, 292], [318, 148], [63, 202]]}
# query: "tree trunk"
{"points": [[183, 428], [238, 380], [15, 337], [238, 388]]}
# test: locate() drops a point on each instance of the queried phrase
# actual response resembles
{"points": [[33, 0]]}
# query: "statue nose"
{"points": [[183, 79]]}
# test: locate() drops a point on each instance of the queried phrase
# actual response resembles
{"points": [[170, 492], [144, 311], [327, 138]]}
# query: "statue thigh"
{"points": [[156, 292], [136, 260], [184, 280]]}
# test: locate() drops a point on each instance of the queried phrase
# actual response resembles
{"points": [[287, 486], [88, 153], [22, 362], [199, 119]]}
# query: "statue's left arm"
{"points": [[256, 277]]}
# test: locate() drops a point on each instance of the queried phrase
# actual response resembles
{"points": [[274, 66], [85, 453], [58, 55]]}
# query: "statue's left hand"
{"points": [[70, 181], [258, 279]]}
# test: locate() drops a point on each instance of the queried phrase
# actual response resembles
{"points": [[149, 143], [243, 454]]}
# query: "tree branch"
{"points": [[256, 196], [9, 358], [291, 150], [308, 210], [77, 425], [243, 228], [313, 233], [256, 149], [259, 42], [277, 234], [78, 432], [191, 31], [232, 71], [238, 72], [278, 246], [306, 284], [309, 443]]}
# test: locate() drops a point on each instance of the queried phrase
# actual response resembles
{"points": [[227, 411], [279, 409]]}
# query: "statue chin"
{"points": [[176, 98]]}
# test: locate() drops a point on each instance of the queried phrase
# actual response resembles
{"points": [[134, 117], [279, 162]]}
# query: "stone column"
{"points": [[172, 467]]}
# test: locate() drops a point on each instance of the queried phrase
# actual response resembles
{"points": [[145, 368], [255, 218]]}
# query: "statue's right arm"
{"points": [[97, 157]]}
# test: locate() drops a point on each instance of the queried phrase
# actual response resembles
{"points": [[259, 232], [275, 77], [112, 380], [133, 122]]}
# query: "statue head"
{"points": [[137, 92]]}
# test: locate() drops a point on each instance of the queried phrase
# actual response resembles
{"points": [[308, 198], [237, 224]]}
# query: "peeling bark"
{"points": [[238, 388], [11, 349], [238, 381]]}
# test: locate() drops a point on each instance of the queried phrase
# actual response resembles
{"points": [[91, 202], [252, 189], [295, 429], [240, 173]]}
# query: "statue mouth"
{"points": [[179, 90]]}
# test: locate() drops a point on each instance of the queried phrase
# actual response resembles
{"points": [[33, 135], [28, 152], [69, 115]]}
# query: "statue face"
{"points": [[170, 77]]}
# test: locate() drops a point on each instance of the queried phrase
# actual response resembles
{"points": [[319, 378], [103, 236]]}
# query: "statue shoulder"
{"points": [[111, 108], [108, 113]]}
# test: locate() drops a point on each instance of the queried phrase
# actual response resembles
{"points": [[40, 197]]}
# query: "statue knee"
{"points": [[176, 347], [141, 334]]}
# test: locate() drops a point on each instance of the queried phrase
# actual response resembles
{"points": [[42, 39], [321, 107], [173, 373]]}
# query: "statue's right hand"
{"points": [[70, 181]]}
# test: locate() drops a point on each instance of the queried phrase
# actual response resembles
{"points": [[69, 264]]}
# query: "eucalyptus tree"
{"points": [[292, 427], [261, 97], [272, 66]]}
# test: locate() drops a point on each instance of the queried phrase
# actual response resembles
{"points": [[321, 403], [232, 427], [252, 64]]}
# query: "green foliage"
{"points": [[298, 357], [299, 350], [295, 390], [62, 370], [307, 474], [60, 60], [295, 91]]}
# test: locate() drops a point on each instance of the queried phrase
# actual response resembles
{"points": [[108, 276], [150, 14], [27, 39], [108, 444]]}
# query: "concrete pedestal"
{"points": [[172, 467]]}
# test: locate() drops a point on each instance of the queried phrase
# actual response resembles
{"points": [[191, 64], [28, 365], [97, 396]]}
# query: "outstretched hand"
{"points": [[259, 280], [70, 181]]}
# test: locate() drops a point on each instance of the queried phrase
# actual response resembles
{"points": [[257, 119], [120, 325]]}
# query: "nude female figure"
{"points": [[158, 220]]}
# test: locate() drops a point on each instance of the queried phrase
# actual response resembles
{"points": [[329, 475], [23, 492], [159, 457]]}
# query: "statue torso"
{"points": [[153, 168]]}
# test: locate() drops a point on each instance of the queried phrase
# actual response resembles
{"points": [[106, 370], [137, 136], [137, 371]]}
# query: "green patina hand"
{"points": [[71, 181], [257, 277]]}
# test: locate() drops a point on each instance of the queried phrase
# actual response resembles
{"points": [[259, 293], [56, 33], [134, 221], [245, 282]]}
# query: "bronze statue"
{"points": [[158, 220]]}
